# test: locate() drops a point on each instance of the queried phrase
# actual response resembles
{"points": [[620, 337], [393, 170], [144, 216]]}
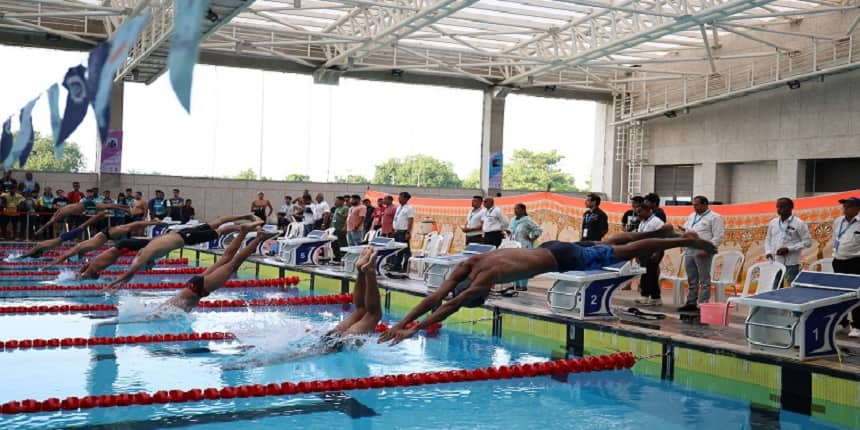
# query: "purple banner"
{"points": [[111, 154]]}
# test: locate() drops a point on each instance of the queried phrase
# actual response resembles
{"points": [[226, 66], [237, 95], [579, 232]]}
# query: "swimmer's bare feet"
{"points": [[668, 230], [251, 217], [699, 243], [361, 261], [248, 226], [371, 260]]}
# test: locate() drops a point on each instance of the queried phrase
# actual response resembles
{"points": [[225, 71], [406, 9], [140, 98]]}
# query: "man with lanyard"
{"points": [[493, 223], [473, 229], [654, 200], [697, 262], [630, 219], [649, 286], [174, 205], [157, 207], [595, 223], [787, 237], [846, 250], [404, 218]]}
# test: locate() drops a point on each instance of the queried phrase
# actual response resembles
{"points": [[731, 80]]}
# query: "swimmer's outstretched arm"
{"points": [[101, 261], [81, 248], [73, 209]]}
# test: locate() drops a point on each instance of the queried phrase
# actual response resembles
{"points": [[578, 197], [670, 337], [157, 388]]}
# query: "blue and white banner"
{"points": [[76, 103], [95, 64], [122, 41], [54, 105], [6, 139], [24, 137], [185, 46]]}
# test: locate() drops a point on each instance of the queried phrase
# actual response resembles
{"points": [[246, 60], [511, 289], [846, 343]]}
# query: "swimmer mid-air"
{"points": [[41, 247], [86, 205], [109, 256], [117, 233], [471, 281]]}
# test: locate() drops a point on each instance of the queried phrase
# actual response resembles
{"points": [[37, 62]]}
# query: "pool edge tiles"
{"points": [[836, 400], [597, 342], [534, 332], [756, 382]]}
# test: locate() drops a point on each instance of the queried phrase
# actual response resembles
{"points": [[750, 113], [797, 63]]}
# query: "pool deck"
{"points": [[671, 331]]}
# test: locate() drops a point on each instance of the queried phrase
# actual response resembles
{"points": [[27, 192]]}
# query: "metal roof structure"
{"points": [[649, 56]]}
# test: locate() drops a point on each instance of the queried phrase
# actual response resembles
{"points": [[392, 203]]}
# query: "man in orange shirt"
{"points": [[388, 216], [355, 221]]}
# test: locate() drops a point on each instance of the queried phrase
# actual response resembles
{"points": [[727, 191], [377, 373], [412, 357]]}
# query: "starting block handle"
{"points": [[577, 297], [791, 329]]}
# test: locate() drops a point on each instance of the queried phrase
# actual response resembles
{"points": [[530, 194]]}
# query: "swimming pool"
{"points": [[606, 399]]}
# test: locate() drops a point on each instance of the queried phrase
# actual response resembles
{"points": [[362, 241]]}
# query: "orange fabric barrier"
{"points": [[561, 219]]}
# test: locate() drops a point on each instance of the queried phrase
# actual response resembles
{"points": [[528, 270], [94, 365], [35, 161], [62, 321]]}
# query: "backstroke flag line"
{"points": [[76, 104], [184, 47], [95, 63], [54, 105], [24, 137], [122, 41]]}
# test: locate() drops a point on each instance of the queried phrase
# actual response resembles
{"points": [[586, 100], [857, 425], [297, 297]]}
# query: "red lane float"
{"points": [[621, 360], [236, 283], [338, 299], [176, 271], [163, 261]]}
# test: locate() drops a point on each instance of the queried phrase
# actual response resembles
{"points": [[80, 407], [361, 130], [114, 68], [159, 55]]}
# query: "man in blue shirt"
{"points": [[157, 207]]}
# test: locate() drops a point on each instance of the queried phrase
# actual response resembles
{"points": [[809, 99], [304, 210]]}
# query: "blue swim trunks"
{"points": [[71, 234], [584, 255]]}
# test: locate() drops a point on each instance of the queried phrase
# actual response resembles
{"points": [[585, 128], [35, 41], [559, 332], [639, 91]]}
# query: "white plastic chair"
{"points": [[823, 265], [326, 252], [510, 244], [369, 236], [294, 230], [770, 274], [430, 249], [677, 276], [445, 243], [730, 264]]}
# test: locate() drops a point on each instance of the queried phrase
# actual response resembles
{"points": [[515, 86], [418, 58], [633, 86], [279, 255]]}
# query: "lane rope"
{"points": [[235, 283]]}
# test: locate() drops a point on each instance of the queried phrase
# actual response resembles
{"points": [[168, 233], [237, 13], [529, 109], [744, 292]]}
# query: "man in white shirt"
{"points": [[846, 249], [474, 221], [285, 213], [404, 219], [494, 223], [308, 214], [709, 226], [649, 285], [321, 208], [787, 237]]}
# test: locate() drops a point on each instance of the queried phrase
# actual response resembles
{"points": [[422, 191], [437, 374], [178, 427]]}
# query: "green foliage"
{"points": [[473, 180], [351, 179], [297, 177], [418, 170], [530, 170], [248, 174], [42, 158]]}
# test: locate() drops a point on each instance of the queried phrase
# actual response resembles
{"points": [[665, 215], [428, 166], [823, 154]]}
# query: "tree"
{"points": [[530, 170], [473, 180], [297, 177], [42, 158], [247, 174], [419, 170], [351, 179]]}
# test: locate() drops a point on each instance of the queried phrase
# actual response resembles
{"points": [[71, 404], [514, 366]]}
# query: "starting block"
{"points": [[440, 267], [386, 247], [586, 294], [800, 322], [151, 231], [302, 250]]}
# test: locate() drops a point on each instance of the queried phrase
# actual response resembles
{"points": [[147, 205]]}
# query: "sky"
{"points": [[242, 118]]}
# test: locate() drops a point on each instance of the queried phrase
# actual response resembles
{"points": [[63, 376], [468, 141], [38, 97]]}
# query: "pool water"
{"points": [[602, 400]]}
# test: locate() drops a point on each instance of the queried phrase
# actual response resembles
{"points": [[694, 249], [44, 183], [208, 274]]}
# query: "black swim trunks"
{"points": [[195, 284], [584, 255], [474, 303], [198, 234], [131, 244]]}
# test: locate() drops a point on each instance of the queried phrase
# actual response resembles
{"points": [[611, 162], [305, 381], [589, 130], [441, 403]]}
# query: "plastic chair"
{"points": [[326, 253], [430, 249], [770, 273], [294, 230], [369, 236], [510, 244], [730, 264], [677, 276], [822, 265], [445, 243]]}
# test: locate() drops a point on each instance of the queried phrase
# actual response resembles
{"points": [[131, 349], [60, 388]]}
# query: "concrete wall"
{"points": [[752, 182], [215, 197]]}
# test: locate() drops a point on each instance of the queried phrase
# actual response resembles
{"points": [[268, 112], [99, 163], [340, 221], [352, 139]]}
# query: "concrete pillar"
{"points": [[705, 179], [492, 141], [790, 178], [117, 98]]}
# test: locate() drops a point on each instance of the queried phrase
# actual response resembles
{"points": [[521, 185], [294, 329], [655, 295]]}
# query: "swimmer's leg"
{"points": [[101, 261], [358, 294], [216, 279], [230, 218], [81, 248], [645, 247], [373, 309], [40, 247], [626, 237], [231, 250]]}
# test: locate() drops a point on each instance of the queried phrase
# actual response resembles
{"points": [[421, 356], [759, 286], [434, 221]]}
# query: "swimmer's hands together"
{"points": [[396, 335]]}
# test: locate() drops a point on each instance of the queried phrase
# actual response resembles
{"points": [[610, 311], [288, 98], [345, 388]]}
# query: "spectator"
{"points": [[261, 207], [846, 250], [175, 205], [46, 208], [187, 213], [157, 207], [649, 286], [368, 216], [8, 184], [787, 237], [321, 208], [308, 212], [31, 187], [120, 217], [129, 194], [285, 213], [355, 221], [654, 200], [404, 219], [60, 199], [475, 221], [709, 226], [10, 220], [139, 208], [377, 214], [341, 213], [595, 223], [388, 217], [525, 232], [106, 198], [75, 195], [493, 223], [97, 196], [630, 220]]}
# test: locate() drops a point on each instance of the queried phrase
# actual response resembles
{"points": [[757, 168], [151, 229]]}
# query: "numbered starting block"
{"points": [[386, 247], [800, 322], [299, 251], [586, 294], [439, 268], [157, 230]]}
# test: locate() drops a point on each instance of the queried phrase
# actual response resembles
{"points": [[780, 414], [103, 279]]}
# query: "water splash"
{"points": [[12, 258], [135, 309], [65, 275]]}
